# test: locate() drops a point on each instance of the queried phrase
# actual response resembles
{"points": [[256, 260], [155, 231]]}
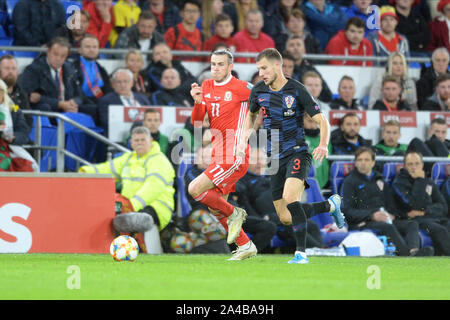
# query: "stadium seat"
{"points": [[390, 170], [339, 170], [439, 172], [49, 139], [184, 208]]}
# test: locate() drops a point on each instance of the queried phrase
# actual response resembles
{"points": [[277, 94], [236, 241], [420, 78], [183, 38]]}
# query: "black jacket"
{"points": [[153, 73], [363, 196], [171, 15], [37, 78], [20, 98], [172, 97], [129, 39], [342, 146], [415, 29], [339, 104], [418, 194], [35, 21], [425, 85], [379, 105], [21, 128]]}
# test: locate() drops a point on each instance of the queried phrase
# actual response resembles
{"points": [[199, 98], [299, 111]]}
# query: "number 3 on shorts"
{"points": [[296, 164]]}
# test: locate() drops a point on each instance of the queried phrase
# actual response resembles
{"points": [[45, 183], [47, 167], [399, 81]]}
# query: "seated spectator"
{"points": [[313, 82], [346, 100], [439, 27], [296, 48], [350, 42], [13, 126], [276, 17], [122, 82], [346, 139], [162, 59], [445, 190], [79, 24], [142, 35], [417, 198], [361, 9], [389, 145], [396, 67], [185, 36], [147, 194], [440, 100], [386, 41], [93, 78], [391, 96], [126, 14], [51, 83], [323, 19], [426, 84], [35, 21], [252, 39], [211, 9], [296, 26], [135, 62], [413, 26], [102, 20], [438, 130], [223, 29], [172, 93], [288, 65], [367, 206], [9, 72], [312, 137], [152, 121], [166, 12]]}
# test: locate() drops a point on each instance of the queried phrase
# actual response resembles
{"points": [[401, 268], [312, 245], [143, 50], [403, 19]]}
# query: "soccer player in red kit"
{"points": [[225, 100]]}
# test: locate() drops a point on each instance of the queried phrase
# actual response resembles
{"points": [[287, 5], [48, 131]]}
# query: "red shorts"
{"points": [[225, 176]]}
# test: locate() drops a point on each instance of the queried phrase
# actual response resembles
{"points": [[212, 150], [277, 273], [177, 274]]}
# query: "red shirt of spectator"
{"points": [[185, 36], [99, 27], [252, 39], [350, 42]]}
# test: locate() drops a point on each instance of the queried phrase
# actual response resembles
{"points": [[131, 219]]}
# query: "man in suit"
{"points": [[122, 82], [51, 84]]}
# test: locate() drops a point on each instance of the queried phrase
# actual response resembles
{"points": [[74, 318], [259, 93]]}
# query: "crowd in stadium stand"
{"points": [[61, 80]]}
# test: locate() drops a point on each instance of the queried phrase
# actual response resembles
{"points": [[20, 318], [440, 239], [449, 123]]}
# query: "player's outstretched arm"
{"points": [[322, 149]]}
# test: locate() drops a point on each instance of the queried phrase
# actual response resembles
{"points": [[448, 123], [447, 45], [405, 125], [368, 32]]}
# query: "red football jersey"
{"points": [[227, 105]]}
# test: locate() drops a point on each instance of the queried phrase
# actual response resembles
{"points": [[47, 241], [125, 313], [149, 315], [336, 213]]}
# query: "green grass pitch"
{"points": [[205, 277]]}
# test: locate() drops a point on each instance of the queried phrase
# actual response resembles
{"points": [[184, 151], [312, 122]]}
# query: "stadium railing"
{"points": [[60, 149]]}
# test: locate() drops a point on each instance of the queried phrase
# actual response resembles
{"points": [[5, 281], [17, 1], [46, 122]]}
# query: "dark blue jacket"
{"points": [[37, 78], [35, 21], [113, 98], [171, 15], [324, 25]]}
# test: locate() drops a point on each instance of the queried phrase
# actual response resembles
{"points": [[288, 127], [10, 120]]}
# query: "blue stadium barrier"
{"points": [[338, 171], [390, 170], [49, 139]]}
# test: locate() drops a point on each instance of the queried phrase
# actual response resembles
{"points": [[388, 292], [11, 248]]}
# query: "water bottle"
{"points": [[387, 215]]}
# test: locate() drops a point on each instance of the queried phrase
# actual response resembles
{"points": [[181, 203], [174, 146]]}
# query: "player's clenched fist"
{"points": [[196, 93]]}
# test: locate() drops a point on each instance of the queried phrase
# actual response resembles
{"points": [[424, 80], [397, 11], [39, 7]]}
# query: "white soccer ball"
{"points": [[124, 248]]}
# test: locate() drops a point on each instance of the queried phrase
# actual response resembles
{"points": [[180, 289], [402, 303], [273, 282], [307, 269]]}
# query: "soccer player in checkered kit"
{"points": [[283, 102]]}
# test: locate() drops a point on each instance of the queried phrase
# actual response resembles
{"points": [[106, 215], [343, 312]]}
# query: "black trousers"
{"points": [[262, 231], [394, 232], [439, 233]]}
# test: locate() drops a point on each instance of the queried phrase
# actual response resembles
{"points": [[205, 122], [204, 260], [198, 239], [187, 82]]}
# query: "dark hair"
{"points": [[389, 78], [270, 54], [88, 36], [146, 15], [297, 13], [435, 120], [288, 56], [408, 152], [361, 150], [7, 57], [193, 2], [355, 21], [64, 42], [151, 110], [222, 17], [347, 115], [442, 78]]}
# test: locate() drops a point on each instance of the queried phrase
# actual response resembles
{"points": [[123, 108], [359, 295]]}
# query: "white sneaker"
{"points": [[248, 250], [235, 221]]}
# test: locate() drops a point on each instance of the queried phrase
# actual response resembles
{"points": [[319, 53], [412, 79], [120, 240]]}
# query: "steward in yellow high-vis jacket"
{"points": [[147, 177]]}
